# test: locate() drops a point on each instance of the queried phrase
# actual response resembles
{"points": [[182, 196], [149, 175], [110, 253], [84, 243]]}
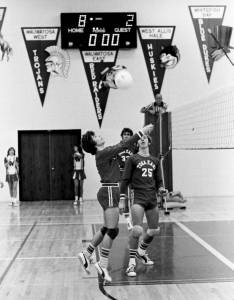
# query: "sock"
{"points": [[104, 257], [89, 250], [142, 248], [132, 255]]}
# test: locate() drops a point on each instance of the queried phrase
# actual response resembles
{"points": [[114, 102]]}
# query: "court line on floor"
{"points": [[207, 246], [16, 254]]}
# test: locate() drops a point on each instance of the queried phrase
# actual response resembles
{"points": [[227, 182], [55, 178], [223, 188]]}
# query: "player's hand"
{"points": [[162, 191], [147, 129], [122, 203]]}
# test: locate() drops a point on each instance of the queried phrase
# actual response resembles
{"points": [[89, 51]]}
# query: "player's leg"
{"points": [[76, 185], [81, 190], [10, 184], [109, 199], [127, 213], [111, 216], [14, 192], [152, 217], [137, 213]]}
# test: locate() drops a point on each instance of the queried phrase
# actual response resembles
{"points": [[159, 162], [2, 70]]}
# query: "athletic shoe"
{"points": [[103, 272], [131, 271], [145, 259], [85, 262], [75, 202]]}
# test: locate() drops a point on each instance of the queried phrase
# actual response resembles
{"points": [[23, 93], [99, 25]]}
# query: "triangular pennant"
{"points": [[37, 39], [153, 40], [205, 19], [2, 15], [94, 63]]}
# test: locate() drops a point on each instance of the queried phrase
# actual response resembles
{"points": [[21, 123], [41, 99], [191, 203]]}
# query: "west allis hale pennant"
{"points": [[159, 53], [206, 19], [96, 63], [38, 40]]}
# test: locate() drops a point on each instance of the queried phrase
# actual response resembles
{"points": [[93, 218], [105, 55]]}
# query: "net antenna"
{"points": [[220, 46]]}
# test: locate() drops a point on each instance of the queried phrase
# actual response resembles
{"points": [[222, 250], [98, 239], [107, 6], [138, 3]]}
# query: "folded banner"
{"points": [[154, 39], [2, 15], [95, 63], [205, 20], [37, 41]]}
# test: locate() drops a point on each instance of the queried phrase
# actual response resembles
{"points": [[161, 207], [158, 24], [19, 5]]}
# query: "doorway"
{"points": [[46, 165]]}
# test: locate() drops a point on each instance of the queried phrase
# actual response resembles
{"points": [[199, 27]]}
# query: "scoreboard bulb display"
{"points": [[98, 30]]}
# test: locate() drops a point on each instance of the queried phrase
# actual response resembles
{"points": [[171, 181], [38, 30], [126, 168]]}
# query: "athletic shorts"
{"points": [[108, 196], [147, 199], [79, 174], [11, 178]]}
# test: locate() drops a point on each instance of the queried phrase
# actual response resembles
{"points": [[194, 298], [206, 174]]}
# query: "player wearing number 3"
{"points": [[142, 171]]}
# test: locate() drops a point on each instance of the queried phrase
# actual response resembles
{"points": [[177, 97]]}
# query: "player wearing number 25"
{"points": [[143, 172]]}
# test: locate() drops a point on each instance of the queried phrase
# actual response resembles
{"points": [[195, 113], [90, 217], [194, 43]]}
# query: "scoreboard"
{"points": [[98, 31]]}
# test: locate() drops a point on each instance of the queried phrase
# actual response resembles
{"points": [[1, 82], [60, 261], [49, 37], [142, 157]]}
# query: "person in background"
{"points": [[12, 174], [122, 157], [143, 172], [155, 107], [79, 174], [108, 196]]}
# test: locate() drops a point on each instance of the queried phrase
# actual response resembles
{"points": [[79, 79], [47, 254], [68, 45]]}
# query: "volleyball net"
{"points": [[205, 124]]}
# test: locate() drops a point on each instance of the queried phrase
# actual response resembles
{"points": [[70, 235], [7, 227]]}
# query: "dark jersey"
{"points": [[124, 154], [143, 173], [107, 163]]}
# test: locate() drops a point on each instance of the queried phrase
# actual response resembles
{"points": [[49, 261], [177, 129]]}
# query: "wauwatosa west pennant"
{"points": [[153, 40], [2, 15], [37, 39], [94, 63], [204, 18]]}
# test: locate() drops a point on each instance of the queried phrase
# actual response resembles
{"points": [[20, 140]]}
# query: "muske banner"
{"points": [[153, 40]]}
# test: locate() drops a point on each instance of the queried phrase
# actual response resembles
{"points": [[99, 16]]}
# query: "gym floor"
{"points": [[193, 254]]}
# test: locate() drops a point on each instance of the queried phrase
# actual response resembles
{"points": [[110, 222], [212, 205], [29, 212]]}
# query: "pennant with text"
{"points": [[2, 15], [37, 39], [94, 63], [206, 18], [153, 40]]}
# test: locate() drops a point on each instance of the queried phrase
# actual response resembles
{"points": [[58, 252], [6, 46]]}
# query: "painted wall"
{"points": [[68, 103]]}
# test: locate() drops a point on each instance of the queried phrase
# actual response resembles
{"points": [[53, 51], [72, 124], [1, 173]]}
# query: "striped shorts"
{"points": [[108, 196]]}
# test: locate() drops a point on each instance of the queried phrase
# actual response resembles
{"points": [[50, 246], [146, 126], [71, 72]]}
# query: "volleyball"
{"points": [[123, 79]]}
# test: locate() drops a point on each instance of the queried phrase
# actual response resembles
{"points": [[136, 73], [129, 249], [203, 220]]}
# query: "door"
{"points": [[46, 165]]}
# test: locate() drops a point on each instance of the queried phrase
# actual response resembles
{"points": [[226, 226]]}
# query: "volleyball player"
{"points": [[143, 172], [108, 195], [122, 156]]}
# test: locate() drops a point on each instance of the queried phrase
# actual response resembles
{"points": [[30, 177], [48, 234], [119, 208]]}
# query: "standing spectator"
{"points": [[79, 174], [12, 174], [158, 106]]}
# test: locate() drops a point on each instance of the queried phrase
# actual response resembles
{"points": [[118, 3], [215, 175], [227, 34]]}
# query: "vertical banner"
{"points": [[37, 40], [94, 63], [2, 15], [153, 40], [205, 19]]}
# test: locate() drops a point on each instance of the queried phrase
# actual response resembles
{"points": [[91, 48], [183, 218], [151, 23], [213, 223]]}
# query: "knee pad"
{"points": [[112, 232], [137, 231], [103, 230], [153, 232]]}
